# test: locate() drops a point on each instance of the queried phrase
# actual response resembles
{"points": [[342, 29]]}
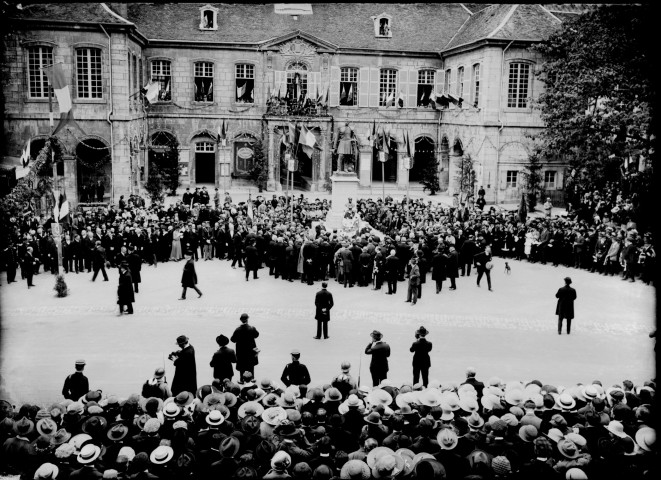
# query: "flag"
{"points": [[59, 83], [400, 99], [293, 134], [210, 87], [307, 141], [240, 91], [56, 205], [316, 98], [326, 99], [219, 135], [278, 93], [432, 99], [343, 94], [350, 94], [167, 87], [150, 91], [408, 144], [391, 98], [384, 143], [224, 134], [250, 214], [422, 98], [64, 207], [373, 138], [196, 89]]}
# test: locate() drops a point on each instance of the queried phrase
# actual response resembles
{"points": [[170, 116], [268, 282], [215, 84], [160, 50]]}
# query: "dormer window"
{"points": [[383, 26], [208, 18]]}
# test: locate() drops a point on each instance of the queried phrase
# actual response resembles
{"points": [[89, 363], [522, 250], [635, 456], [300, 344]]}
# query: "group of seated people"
{"points": [[260, 429]]}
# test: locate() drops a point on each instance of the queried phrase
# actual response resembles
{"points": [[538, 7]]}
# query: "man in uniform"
{"points": [[323, 302], [295, 373], [380, 352], [76, 385]]}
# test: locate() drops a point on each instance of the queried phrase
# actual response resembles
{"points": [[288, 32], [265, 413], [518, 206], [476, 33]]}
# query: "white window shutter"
{"points": [[412, 94], [374, 87], [280, 83], [559, 180], [503, 179], [402, 86], [439, 81], [313, 84], [335, 87], [364, 87]]}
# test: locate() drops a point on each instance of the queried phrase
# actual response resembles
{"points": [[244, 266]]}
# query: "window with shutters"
{"points": [[89, 82], [297, 81], [518, 85], [203, 77], [460, 82], [245, 83], [426, 80], [128, 60], [549, 180], [161, 73], [136, 84], [208, 18], [447, 84], [140, 82], [476, 85], [38, 58], [387, 87], [349, 86], [511, 178]]}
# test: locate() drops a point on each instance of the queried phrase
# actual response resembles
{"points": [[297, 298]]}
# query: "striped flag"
{"points": [[150, 91], [210, 88], [390, 101], [250, 213], [307, 140], [64, 207], [240, 91], [400, 99], [56, 205], [60, 86]]}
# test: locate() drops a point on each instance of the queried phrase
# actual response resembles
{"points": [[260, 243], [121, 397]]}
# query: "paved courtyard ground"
{"points": [[510, 332]]}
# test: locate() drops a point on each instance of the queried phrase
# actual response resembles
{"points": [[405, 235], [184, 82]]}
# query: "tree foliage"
{"points": [[597, 103], [532, 176], [259, 171], [429, 177], [167, 161]]}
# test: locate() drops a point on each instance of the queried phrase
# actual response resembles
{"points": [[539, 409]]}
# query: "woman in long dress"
{"points": [[175, 253]]}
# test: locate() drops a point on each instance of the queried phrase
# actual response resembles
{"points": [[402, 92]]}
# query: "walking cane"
{"points": [[360, 364]]}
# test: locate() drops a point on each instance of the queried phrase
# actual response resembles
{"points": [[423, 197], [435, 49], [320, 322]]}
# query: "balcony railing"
{"points": [[306, 107]]}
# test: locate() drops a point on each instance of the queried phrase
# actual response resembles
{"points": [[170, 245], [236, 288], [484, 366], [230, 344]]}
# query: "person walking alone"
{"points": [[125, 295], [323, 302], [185, 373], [414, 282], [484, 266], [421, 361], [565, 307], [189, 277], [99, 261]]}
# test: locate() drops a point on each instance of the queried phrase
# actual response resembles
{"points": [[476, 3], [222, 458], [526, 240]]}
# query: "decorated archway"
{"points": [[94, 170], [243, 154], [424, 154], [390, 165], [444, 175]]}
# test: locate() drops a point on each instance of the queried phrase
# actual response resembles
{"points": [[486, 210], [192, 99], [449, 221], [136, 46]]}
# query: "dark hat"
{"points": [[182, 339], [222, 340], [295, 353], [229, 447], [23, 427], [244, 316], [422, 331], [95, 425], [60, 437], [567, 280]]}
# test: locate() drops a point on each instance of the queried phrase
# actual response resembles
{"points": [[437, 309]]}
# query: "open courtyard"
{"points": [[510, 332]]}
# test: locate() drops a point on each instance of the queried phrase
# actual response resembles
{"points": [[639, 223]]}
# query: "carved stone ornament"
{"points": [[298, 47]]}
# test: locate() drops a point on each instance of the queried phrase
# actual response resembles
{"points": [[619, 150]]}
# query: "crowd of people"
{"points": [[334, 428], [292, 242]]}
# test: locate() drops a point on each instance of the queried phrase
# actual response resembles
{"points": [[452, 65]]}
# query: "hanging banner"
{"points": [[382, 157]]}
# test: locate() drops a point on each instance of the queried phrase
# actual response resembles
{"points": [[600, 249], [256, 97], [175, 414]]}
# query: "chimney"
{"points": [[120, 9]]}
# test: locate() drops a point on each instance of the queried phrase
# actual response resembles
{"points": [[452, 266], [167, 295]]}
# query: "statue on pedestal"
{"points": [[346, 148]]}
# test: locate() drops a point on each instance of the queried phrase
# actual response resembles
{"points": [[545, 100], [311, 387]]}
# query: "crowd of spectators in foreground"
{"points": [[261, 429], [598, 234]]}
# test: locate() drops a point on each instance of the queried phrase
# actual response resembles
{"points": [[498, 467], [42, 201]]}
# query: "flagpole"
{"points": [[55, 229]]}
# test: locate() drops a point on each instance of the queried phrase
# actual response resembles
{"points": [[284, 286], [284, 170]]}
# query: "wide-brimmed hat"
{"points": [[332, 395], [89, 453], [60, 437], [286, 429], [514, 396], [287, 400], [528, 433], [616, 428], [646, 438], [215, 418], [578, 439], [355, 470], [222, 340], [378, 396], [46, 426], [214, 399], [117, 432], [377, 453], [229, 447], [447, 439], [95, 425], [565, 401], [373, 418], [250, 408], [47, 471], [429, 397], [23, 427], [450, 400], [184, 399], [151, 400], [384, 467], [422, 331], [475, 420], [429, 469], [161, 454], [555, 435], [230, 399], [274, 415], [40, 445], [589, 392], [468, 404], [171, 410], [568, 448]]}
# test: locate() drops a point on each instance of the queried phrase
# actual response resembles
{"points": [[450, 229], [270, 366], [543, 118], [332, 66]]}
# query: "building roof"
{"points": [[506, 22], [346, 25], [69, 12]]}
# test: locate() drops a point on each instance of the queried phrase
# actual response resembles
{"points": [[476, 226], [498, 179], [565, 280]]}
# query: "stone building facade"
{"points": [[218, 68]]}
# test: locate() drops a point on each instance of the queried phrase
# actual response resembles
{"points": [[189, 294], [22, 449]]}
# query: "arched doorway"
{"points": [[465, 174], [94, 168], [444, 175], [159, 147], [304, 171], [204, 149], [244, 154], [423, 156], [36, 145], [390, 166]]}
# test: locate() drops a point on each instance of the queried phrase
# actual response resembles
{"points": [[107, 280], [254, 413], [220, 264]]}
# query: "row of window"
{"points": [[89, 80], [550, 179]]}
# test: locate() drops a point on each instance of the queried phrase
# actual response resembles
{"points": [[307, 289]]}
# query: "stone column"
{"points": [[365, 164], [402, 173]]}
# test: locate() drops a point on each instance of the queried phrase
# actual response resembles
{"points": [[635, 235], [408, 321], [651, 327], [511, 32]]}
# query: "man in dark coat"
{"points": [[466, 254], [246, 349], [185, 374], [99, 261], [438, 269], [125, 290], [471, 380], [76, 385], [484, 265], [392, 272], [323, 302], [452, 266], [222, 360], [565, 307], [135, 266], [295, 373], [189, 277], [421, 361], [380, 352], [27, 266], [251, 260]]}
